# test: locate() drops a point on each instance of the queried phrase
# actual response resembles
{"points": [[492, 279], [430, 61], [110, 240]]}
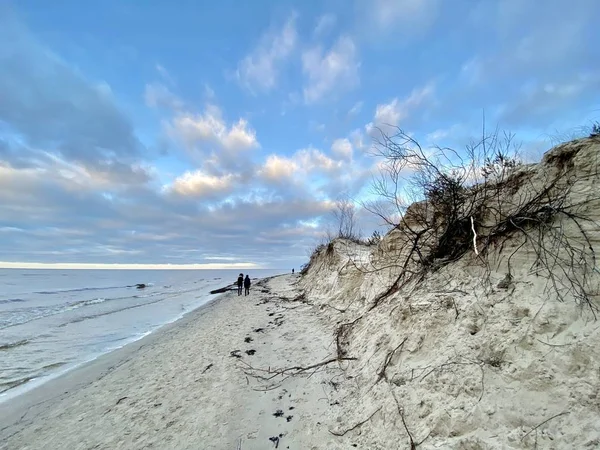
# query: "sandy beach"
{"points": [[208, 381]]}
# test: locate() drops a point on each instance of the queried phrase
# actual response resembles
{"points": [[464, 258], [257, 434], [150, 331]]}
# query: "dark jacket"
{"points": [[240, 281], [247, 282]]}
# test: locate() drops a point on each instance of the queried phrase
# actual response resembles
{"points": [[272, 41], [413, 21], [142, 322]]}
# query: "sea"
{"points": [[52, 321]]}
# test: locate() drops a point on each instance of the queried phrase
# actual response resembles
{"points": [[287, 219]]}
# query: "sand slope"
{"points": [[461, 359]]}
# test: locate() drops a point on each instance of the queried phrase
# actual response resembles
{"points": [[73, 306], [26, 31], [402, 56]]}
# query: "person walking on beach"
{"points": [[240, 282], [247, 285]]}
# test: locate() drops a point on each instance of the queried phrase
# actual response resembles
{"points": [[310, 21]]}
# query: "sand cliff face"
{"points": [[488, 351]]}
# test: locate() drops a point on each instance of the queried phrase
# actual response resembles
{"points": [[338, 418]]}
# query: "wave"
{"points": [[164, 296], [4, 347], [6, 385], [31, 314], [26, 315], [95, 301], [12, 300], [62, 291]]}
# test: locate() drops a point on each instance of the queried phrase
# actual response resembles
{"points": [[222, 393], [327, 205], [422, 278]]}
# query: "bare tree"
{"points": [[442, 203], [345, 220]]}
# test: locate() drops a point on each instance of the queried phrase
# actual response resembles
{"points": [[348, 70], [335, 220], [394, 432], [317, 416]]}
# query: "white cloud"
{"points": [[277, 168], [398, 15], [211, 127], [311, 159], [157, 95], [357, 138], [200, 184], [471, 71], [342, 149], [259, 70], [389, 115], [209, 92], [316, 126], [298, 167], [355, 109], [330, 71], [164, 73], [325, 23]]}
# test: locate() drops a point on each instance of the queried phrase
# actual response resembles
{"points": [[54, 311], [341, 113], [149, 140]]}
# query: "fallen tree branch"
{"points": [[413, 444], [293, 371], [359, 424], [388, 359], [544, 422]]}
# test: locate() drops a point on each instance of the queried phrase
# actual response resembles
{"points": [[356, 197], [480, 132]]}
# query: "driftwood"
{"points": [[231, 287]]}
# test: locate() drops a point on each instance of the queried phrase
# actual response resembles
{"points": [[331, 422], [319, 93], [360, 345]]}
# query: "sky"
{"points": [[221, 133]]}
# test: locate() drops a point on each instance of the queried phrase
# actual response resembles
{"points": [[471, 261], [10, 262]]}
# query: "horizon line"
{"points": [[129, 266]]}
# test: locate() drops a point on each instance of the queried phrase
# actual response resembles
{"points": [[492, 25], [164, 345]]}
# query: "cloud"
{"points": [[356, 108], [390, 115], [542, 101], [332, 71], [133, 229], [259, 70], [357, 138], [209, 92], [48, 104], [409, 17], [197, 210], [278, 169], [301, 165], [534, 41], [311, 160], [210, 127], [198, 184], [164, 73], [157, 95], [316, 126], [342, 149], [325, 24]]}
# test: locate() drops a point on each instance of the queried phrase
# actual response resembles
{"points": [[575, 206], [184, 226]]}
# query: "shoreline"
{"points": [[89, 370], [42, 379], [39, 382], [198, 382]]}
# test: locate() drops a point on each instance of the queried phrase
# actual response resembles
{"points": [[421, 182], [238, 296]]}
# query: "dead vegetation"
{"points": [[442, 207], [476, 204]]}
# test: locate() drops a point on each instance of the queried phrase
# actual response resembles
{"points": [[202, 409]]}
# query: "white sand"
{"points": [[158, 392], [469, 362]]}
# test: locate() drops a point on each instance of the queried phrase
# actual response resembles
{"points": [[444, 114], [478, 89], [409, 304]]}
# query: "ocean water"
{"points": [[54, 320]]}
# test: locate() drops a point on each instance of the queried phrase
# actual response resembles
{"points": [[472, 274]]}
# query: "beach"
{"points": [[207, 381], [52, 321]]}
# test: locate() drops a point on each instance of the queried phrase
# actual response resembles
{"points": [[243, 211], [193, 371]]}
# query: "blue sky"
{"points": [[221, 132]]}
